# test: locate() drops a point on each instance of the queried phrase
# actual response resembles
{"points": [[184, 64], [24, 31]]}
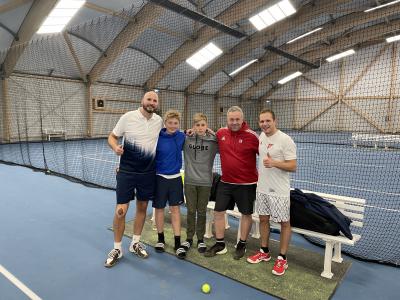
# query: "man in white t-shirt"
{"points": [[277, 159], [137, 171]]}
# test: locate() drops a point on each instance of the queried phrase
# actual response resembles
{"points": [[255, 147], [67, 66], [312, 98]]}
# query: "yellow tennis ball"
{"points": [[206, 288]]}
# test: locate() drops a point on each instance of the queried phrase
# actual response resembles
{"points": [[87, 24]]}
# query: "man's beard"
{"points": [[148, 108]]}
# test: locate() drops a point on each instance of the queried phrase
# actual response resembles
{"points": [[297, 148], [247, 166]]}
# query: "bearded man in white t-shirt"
{"points": [[136, 174], [277, 159]]}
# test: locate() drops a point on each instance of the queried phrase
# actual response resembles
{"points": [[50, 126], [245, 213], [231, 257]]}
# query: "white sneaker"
{"points": [[139, 249], [112, 258]]}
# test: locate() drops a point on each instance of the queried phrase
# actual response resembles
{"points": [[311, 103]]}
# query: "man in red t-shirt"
{"points": [[238, 148]]}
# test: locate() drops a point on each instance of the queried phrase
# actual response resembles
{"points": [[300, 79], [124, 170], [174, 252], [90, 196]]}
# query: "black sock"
{"points": [[283, 255], [265, 249], [221, 242], [190, 241], [241, 244], [200, 241], [161, 237], [177, 241]]}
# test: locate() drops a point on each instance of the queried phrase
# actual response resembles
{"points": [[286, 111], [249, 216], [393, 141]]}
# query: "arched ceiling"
{"points": [[163, 40]]}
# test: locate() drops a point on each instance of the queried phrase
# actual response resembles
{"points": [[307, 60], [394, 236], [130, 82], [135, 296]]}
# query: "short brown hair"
{"points": [[172, 114], [199, 117], [267, 110]]}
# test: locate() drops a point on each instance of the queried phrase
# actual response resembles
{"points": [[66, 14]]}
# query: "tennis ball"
{"points": [[206, 288]]}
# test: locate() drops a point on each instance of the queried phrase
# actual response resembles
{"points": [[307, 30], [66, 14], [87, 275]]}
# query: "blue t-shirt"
{"points": [[169, 152]]}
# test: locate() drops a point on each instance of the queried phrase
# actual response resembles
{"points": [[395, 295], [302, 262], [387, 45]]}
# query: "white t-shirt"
{"points": [[280, 147], [141, 136]]}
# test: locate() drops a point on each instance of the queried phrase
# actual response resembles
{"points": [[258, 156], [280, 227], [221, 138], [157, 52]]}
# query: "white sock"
{"points": [[135, 239], [118, 246]]}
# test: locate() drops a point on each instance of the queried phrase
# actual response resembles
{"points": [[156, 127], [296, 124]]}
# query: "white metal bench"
{"points": [[51, 134], [350, 207], [385, 140]]}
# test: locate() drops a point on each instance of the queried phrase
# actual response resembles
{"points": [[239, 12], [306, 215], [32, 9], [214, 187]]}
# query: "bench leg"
{"points": [[255, 231], [239, 230], [227, 222], [327, 273], [153, 220], [210, 218], [337, 250]]}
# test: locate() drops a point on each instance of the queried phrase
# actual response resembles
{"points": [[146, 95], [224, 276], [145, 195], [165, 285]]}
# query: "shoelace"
{"points": [[140, 246], [186, 244], [113, 253], [279, 263], [180, 250]]}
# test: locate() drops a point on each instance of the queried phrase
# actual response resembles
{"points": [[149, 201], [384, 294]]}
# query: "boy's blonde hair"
{"points": [[199, 117], [172, 114]]}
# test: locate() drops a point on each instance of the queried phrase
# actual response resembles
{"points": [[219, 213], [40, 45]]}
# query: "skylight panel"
{"points": [[60, 16], [204, 56], [273, 14]]}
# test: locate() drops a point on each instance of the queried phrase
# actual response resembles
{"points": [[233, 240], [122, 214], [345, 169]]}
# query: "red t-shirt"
{"points": [[238, 152]]}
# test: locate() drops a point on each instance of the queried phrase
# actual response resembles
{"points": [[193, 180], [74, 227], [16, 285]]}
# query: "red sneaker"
{"points": [[259, 256], [280, 266]]}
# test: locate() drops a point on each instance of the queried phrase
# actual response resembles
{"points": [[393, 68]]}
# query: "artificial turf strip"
{"points": [[302, 279]]}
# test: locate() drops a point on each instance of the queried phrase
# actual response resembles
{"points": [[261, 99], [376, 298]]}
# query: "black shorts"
{"points": [[128, 182], [168, 191], [243, 195]]}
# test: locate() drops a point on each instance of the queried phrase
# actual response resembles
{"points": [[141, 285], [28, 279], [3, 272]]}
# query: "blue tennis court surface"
{"points": [[361, 172]]}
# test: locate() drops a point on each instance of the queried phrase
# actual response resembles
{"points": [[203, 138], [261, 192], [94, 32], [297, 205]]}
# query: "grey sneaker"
{"points": [[112, 258], [201, 247], [216, 249], [186, 245], [181, 252], [139, 249], [160, 247]]}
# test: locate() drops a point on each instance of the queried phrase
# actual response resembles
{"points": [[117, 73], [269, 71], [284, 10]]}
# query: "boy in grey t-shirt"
{"points": [[199, 153]]}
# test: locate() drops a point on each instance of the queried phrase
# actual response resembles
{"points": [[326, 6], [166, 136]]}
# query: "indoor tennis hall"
{"points": [[70, 69]]}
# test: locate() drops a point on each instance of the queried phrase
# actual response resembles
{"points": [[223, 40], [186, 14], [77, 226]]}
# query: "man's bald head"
{"points": [[150, 101]]}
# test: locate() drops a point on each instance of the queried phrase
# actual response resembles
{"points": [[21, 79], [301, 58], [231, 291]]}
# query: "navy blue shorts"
{"points": [[168, 190], [143, 183]]}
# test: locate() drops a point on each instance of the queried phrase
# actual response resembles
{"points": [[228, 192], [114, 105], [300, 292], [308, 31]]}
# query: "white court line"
{"points": [[375, 166], [19, 284], [340, 163], [98, 159], [347, 187], [383, 208]]}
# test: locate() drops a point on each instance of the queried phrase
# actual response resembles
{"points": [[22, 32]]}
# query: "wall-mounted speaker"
{"points": [[98, 103]]}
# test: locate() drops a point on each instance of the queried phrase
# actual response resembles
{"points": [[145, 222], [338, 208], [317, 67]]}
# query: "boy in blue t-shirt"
{"points": [[169, 187]]}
